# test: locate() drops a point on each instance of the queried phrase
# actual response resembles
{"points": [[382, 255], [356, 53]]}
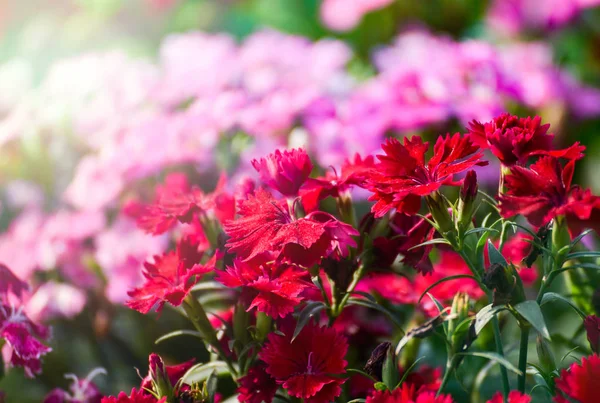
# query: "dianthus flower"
{"points": [[579, 382], [136, 396], [177, 201], [514, 140], [270, 288], [544, 191], [257, 386], [267, 226], [169, 278], [23, 337], [284, 171], [513, 397], [407, 393], [402, 177], [353, 173], [307, 367], [10, 283], [80, 391]]}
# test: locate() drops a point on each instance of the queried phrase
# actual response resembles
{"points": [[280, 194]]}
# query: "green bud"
{"points": [[438, 207], [545, 355]]}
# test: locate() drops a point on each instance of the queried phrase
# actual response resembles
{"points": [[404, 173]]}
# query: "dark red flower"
{"points": [[514, 140], [425, 378], [544, 191], [10, 283], [170, 277], [307, 367], [592, 328], [513, 397], [23, 338], [407, 393], [257, 386], [157, 367], [267, 226], [270, 288], [402, 177], [353, 173], [579, 382], [177, 201], [284, 171], [136, 396]]}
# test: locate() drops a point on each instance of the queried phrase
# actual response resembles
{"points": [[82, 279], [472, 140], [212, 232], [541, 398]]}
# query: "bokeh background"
{"points": [[100, 99]]}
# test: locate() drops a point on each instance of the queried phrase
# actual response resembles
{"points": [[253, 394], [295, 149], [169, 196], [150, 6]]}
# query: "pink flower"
{"points": [[10, 283], [270, 288], [343, 15], [169, 278], [592, 329], [80, 390], [22, 337], [284, 171], [307, 366]]}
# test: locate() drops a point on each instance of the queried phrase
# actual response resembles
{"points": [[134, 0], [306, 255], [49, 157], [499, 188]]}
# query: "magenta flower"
{"points": [[284, 171]]}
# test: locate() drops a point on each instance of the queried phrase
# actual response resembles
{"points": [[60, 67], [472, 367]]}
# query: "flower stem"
{"points": [[523, 357], [337, 310], [196, 314], [449, 367]]}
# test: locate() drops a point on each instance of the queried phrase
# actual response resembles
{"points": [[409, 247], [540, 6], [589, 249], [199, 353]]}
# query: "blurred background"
{"points": [[100, 99]]}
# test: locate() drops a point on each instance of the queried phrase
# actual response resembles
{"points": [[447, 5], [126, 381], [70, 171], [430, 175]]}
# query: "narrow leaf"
{"points": [[531, 311], [494, 357], [431, 242], [308, 312], [552, 296], [443, 280], [495, 255], [370, 304], [485, 315], [200, 372], [178, 333]]}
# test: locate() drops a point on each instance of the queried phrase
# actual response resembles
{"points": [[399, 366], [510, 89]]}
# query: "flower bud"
{"points": [[160, 378], [545, 355], [439, 211], [592, 328], [506, 284], [466, 202], [458, 313], [374, 366]]}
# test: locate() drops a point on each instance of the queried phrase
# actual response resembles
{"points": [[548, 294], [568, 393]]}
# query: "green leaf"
{"points": [[485, 315], [495, 255], [232, 399], [552, 296], [431, 242], [309, 310], [493, 357], [586, 254], [449, 278], [178, 333], [580, 237], [365, 294], [211, 386], [200, 372], [370, 304], [531, 311], [359, 372], [208, 285], [389, 371], [408, 371], [480, 229]]}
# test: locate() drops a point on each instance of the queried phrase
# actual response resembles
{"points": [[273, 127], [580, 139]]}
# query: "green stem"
{"points": [[263, 325], [355, 279], [523, 357], [196, 314], [447, 373]]}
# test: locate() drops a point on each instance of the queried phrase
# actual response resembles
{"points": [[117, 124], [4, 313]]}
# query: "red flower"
{"points": [[543, 191], [513, 397], [514, 140], [284, 171], [10, 283], [402, 177], [307, 367], [592, 328], [353, 173], [407, 393], [515, 250], [177, 201], [169, 278], [579, 382], [257, 386], [136, 396], [270, 288], [22, 337], [80, 390], [266, 226]]}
